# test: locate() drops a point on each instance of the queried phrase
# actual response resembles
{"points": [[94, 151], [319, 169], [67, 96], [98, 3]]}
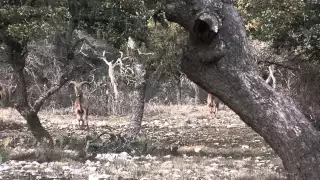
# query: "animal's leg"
{"points": [[213, 109], [81, 123], [218, 104], [78, 118], [86, 117]]}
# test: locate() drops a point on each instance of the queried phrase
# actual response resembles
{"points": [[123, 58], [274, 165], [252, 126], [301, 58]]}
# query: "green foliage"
{"points": [[168, 44], [115, 20], [111, 20], [24, 22], [4, 150], [293, 25]]}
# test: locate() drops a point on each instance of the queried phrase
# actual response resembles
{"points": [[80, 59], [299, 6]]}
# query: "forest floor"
{"points": [[179, 142]]}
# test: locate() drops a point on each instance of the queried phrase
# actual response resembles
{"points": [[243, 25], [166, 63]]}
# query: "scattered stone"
{"points": [[245, 147], [98, 177]]}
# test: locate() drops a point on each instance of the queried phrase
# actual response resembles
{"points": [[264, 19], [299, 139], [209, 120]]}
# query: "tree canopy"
{"points": [[292, 25]]}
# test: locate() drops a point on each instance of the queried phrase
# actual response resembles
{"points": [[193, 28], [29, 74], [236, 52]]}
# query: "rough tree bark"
{"points": [[142, 71], [138, 97], [220, 61]]}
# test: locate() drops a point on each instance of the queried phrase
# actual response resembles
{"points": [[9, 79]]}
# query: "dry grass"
{"points": [[219, 148], [11, 115]]}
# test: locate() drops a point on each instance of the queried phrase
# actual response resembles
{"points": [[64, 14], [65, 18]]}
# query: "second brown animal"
{"points": [[213, 106]]}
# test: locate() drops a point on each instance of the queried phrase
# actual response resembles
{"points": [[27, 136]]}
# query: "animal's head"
{"points": [[78, 87]]}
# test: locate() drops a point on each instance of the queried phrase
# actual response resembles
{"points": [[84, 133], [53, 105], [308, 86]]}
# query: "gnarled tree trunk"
{"points": [[38, 131], [17, 61], [220, 61], [17, 54]]}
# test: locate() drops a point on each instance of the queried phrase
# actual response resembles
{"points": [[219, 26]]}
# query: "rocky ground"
{"points": [[177, 142]]}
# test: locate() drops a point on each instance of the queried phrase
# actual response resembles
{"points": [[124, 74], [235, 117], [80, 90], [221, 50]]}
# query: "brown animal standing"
{"points": [[81, 105], [5, 96], [212, 105]]}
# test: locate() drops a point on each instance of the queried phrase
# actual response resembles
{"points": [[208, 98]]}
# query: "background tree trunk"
{"points": [[196, 94], [38, 131], [220, 61], [139, 96], [178, 89], [17, 61], [17, 54]]}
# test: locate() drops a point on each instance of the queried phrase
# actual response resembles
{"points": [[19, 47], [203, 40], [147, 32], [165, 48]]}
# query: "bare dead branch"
{"points": [[271, 76], [141, 53]]}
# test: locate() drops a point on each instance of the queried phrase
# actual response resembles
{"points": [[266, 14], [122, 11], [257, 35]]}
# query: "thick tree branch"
{"points": [[234, 80], [62, 80]]}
